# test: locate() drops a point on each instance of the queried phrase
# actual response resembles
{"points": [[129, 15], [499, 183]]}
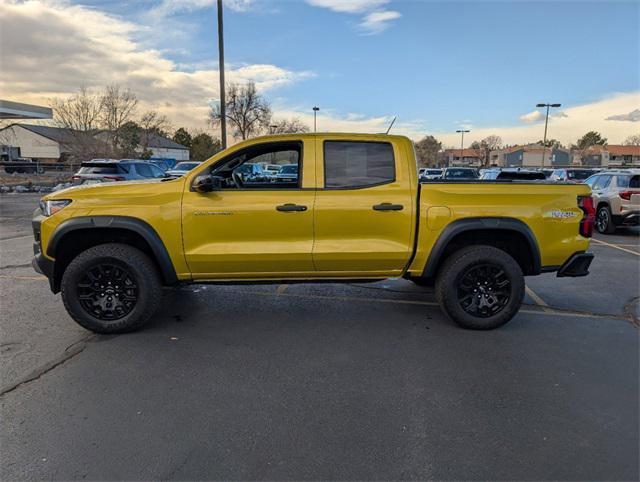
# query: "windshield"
{"points": [[461, 174], [185, 166], [578, 174], [113, 169]]}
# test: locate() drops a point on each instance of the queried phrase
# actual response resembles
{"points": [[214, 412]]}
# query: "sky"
{"points": [[437, 65]]}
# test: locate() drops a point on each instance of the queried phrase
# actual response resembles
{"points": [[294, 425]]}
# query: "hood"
{"points": [[94, 189]]}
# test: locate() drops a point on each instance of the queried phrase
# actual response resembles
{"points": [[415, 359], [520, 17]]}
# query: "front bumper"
{"points": [[40, 263], [577, 265]]}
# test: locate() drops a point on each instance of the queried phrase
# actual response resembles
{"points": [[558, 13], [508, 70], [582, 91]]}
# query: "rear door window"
{"points": [[628, 181], [349, 164]]}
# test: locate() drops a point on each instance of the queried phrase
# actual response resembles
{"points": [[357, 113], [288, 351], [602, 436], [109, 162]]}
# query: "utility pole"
{"points": [[462, 131], [223, 105], [546, 123], [315, 111]]}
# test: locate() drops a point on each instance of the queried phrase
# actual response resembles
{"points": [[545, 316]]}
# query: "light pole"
{"points": [[546, 123], [223, 106], [462, 132], [315, 111]]}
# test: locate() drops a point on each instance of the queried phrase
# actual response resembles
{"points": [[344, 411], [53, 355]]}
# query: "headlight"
{"points": [[51, 207]]}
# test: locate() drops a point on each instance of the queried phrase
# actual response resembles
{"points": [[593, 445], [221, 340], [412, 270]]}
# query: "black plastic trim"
{"points": [[577, 265], [120, 222], [471, 224]]}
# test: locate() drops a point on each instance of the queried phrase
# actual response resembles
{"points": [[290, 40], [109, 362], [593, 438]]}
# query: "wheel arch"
{"points": [[509, 234], [78, 234]]}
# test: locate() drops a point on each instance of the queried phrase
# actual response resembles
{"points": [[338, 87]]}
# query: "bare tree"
{"points": [[80, 112], [247, 112], [291, 126], [118, 108], [485, 146], [633, 140], [151, 123], [80, 116]]}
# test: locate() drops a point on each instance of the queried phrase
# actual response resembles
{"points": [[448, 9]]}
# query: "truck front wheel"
{"points": [[111, 288], [480, 287]]}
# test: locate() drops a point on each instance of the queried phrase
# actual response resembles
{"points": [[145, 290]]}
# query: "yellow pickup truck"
{"points": [[336, 207]]}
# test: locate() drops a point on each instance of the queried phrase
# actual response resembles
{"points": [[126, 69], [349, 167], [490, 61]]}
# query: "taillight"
{"points": [[75, 178], [113, 178], [626, 195], [588, 219]]}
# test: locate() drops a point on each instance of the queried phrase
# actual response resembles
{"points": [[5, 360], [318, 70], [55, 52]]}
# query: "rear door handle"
{"points": [[388, 207], [291, 207]]}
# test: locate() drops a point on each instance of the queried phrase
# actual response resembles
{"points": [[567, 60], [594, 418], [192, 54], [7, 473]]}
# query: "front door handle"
{"points": [[388, 207], [291, 207]]}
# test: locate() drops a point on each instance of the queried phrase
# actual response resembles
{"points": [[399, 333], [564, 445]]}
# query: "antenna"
{"points": [[391, 125]]}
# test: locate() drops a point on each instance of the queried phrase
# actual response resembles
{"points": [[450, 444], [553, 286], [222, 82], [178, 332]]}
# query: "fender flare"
{"points": [[485, 223], [135, 225]]}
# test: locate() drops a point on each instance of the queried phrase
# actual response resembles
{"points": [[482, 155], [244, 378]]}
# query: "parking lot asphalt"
{"points": [[322, 381]]}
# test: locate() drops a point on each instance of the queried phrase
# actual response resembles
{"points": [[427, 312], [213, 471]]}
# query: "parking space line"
{"points": [[536, 299], [37, 278], [281, 289], [615, 246], [17, 237]]}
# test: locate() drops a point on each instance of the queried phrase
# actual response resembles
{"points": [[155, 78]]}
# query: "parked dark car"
{"points": [[108, 170], [460, 174], [288, 174], [513, 174]]}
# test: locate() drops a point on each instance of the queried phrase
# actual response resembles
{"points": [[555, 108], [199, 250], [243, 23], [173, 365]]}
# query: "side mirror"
{"points": [[207, 183]]}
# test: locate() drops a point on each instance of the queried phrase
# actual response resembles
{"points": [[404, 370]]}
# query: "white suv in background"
{"points": [[616, 195]]}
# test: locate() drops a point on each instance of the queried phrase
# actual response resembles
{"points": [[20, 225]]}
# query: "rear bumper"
{"points": [[577, 265], [629, 219]]}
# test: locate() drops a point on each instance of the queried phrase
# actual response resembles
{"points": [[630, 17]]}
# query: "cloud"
{"points": [[633, 116], [56, 48], [537, 115], [375, 18], [376, 22], [532, 116]]}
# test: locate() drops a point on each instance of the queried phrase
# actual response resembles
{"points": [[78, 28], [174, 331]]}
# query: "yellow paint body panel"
{"points": [[238, 234], [534, 204]]}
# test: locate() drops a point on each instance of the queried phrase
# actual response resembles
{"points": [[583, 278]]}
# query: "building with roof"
{"points": [[530, 156], [612, 155], [462, 158], [18, 110], [52, 144]]}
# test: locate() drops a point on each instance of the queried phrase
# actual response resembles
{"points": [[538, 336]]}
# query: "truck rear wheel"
{"points": [[111, 288], [480, 287]]}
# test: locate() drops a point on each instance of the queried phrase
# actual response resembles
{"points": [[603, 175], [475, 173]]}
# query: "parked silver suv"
{"points": [[616, 195]]}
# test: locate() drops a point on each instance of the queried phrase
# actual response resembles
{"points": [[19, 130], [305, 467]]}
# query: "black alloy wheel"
{"points": [[107, 291], [483, 290]]}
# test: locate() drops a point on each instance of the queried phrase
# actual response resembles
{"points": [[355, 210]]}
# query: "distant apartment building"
{"points": [[462, 158], [612, 155], [529, 156]]}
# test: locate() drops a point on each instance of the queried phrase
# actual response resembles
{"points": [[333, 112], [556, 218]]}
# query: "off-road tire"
{"points": [[139, 266], [610, 227], [448, 280]]}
